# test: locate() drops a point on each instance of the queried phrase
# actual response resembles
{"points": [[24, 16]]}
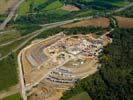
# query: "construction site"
{"points": [[51, 66]]}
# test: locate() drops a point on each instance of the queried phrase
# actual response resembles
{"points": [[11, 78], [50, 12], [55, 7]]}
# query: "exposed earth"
{"points": [[53, 65]]}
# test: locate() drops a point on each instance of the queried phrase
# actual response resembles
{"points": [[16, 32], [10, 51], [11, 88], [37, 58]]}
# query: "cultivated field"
{"points": [[124, 22], [5, 5], [70, 8], [98, 22]]}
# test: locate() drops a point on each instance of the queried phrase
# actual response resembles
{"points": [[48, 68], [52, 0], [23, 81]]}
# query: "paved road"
{"points": [[10, 15]]}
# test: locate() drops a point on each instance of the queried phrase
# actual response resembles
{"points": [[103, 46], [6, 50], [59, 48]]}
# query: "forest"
{"points": [[114, 80]]}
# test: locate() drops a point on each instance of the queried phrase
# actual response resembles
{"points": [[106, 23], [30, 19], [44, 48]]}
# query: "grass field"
{"points": [[8, 72], [55, 5], [13, 97], [126, 13], [9, 36], [98, 4], [81, 96], [8, 66], [25, 6], [4, 50]]}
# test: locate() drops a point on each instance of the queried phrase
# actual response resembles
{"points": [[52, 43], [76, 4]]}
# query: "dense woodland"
{"points": [[114, 80], [49, 17]]}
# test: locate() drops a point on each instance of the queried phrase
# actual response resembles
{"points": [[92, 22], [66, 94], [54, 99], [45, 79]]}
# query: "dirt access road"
{"points": [[10, 15]]}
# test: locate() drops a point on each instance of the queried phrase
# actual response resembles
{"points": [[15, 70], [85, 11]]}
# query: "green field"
{"points": [[8, 36], [33, 6], [4, 50], [81, 96], [13, 97], [8, 72], [2, 18], [55, 5]]}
